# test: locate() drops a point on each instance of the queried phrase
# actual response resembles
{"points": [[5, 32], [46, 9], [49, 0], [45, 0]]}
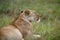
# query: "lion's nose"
{"points": [[40, 16]]}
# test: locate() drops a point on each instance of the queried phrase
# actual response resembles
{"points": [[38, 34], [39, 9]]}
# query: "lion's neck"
{"points": [[22, 25], [20, 22]]}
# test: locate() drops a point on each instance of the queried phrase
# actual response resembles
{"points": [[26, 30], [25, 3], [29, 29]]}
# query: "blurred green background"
{"points": [[48, 28]]}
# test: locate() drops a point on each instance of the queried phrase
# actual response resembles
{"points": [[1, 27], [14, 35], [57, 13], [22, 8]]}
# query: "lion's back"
{"points": [[10, 33]]}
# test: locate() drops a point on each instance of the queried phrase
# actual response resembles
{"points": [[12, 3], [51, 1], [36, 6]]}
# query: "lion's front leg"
{"points": [[36, 36], [22, 39]]}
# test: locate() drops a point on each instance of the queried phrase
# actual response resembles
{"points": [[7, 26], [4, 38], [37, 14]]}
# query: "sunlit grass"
{"points": [[49, 28], [5, 20]]}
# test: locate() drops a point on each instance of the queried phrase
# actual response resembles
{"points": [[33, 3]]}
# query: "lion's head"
{"points": [[30, 15]]}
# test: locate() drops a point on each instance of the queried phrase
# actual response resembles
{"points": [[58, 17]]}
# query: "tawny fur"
{"points": [[20, 27]]}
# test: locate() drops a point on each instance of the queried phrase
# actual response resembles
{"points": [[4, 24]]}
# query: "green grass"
{"points": [[49, 28], [5, 20]]}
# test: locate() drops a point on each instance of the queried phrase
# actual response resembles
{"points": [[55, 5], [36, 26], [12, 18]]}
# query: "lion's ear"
{"points": [[21, 11], [27, 12]]}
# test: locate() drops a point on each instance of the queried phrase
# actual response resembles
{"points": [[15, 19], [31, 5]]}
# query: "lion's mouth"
{"points": [[38, 20]]}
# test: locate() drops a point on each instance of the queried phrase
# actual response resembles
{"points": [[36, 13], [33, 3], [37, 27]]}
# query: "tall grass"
{"points": [[49, 27]]}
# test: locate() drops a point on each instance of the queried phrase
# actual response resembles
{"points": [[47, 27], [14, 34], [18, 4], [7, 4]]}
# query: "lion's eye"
{"points": [[38, 18]]}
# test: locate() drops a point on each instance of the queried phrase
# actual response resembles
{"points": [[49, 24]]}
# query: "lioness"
{"points": [[20, 27]]}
